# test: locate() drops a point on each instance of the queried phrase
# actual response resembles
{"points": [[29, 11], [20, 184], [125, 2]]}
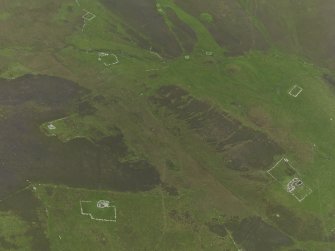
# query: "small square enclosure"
{"points": [[88, 16], [295, 91]]}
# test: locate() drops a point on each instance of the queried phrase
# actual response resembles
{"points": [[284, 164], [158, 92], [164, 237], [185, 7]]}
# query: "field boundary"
{"points": [[294, 184], [81, 202], [101, 55]]}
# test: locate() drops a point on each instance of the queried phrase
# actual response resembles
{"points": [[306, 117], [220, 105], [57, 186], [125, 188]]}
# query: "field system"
{"points": [[74, 127], [101, 210], [61, 129], [284, 173]]}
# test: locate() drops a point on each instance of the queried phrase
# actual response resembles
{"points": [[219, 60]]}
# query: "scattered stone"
{"points": [[51, 127]]}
